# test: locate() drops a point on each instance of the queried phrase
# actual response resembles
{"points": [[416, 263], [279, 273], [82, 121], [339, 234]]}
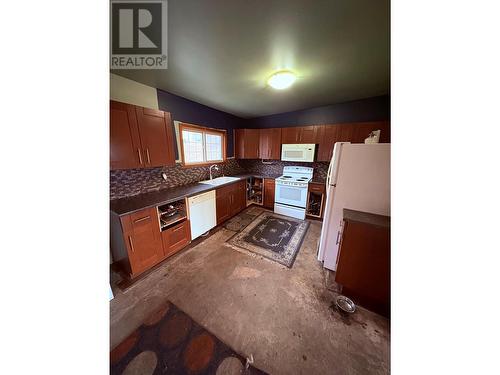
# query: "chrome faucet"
{"points": [[210, 169]]}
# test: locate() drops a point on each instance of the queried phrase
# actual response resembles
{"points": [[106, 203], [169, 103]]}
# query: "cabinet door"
{"points": [[176, 238], [240, 196], [328, 137], [155, 128], [309, 134], [362, 130], [345, 132], [239, 151], [143, 239], [275, 144], [125, 146], [223, 203], [269, 193], [251, 143], [290, 135], [264, 143]]}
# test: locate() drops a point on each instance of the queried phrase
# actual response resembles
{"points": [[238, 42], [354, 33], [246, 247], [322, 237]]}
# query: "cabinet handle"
{"points": [[338, 235], [141, 219], [140, 156], [131, 244], [147, 154]]}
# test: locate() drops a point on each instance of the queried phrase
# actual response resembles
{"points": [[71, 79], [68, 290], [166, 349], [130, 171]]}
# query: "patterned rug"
{"points": [[170, 342], [272, 236]]}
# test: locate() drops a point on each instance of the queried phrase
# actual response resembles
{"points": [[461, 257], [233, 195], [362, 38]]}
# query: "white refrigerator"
{"points": [[359, 178]]}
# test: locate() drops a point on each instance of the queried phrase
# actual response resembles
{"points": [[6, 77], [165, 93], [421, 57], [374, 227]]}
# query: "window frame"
{"points": [[204, 130]]}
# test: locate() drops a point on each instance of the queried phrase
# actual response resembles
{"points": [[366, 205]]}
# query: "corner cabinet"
{"points": [[140, 137]]}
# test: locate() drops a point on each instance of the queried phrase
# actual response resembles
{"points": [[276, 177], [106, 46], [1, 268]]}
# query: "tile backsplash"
{"points": [[129, 182], [276, 167]]}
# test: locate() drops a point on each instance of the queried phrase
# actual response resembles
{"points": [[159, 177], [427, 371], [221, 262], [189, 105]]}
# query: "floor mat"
{"points": [[170, 342], [272, 236]]}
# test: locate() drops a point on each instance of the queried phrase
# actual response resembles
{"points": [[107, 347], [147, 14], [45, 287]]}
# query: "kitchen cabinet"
{"points": [[240, 197], [141, 231], [155, 128], [352, 132], [230, 200], [269, 186], [140, 137], [362, 130], [270, 144], [247, 142], [176, 238], [363, 262], [300, 134], [328, 137], [125, 144], [315, 199], [290, 135]]}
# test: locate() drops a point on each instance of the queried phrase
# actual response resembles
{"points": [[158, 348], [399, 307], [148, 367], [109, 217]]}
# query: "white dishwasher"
{"points": [[202, 214]]}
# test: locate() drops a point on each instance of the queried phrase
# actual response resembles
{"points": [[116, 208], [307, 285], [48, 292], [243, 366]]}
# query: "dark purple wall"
{"points": [[182, 109], [371, 109], [186, 110]]}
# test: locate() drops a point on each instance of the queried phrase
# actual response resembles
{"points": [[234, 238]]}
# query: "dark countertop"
{"points": [[367, 218], [128, 205]]}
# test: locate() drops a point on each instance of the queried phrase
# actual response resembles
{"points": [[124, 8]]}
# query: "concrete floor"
{"points": [[281, 316]]}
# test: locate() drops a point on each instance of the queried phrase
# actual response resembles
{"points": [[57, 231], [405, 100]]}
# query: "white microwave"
{"points": [[297, 152]]}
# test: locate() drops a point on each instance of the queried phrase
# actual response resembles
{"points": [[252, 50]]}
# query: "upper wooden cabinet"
{"points": [[301, 134], [328, 137], [270, 143], [247, 142], [352, 132], [125, 144], [140, 137], [155, 129]]}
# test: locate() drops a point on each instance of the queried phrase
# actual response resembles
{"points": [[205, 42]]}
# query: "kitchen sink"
{"points": [[220, 180]]}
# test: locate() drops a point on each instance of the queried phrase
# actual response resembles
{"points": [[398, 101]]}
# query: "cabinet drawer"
{"points": [[176, 238], [317, 188]]}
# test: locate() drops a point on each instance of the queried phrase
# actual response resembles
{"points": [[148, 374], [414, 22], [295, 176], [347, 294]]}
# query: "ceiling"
{"points": [[220, 53]]}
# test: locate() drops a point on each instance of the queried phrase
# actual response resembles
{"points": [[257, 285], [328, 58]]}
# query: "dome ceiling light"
{"points": [[281, 80]]}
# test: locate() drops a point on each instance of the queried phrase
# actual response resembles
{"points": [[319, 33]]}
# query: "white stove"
{"points": [[290, 196]]}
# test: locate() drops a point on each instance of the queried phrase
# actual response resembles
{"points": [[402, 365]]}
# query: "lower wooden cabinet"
{"points": [[138, 244], [315, 199], [363, 261], [141, 232], [176, 238], [269, 186], [230, 200]]}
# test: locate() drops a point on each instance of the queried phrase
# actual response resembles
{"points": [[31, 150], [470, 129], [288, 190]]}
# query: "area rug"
{"points": [[170, 342], [272, 236], [240, 221]]}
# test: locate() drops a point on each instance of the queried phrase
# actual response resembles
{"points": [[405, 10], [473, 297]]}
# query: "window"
{"points": [[201, 145]]}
